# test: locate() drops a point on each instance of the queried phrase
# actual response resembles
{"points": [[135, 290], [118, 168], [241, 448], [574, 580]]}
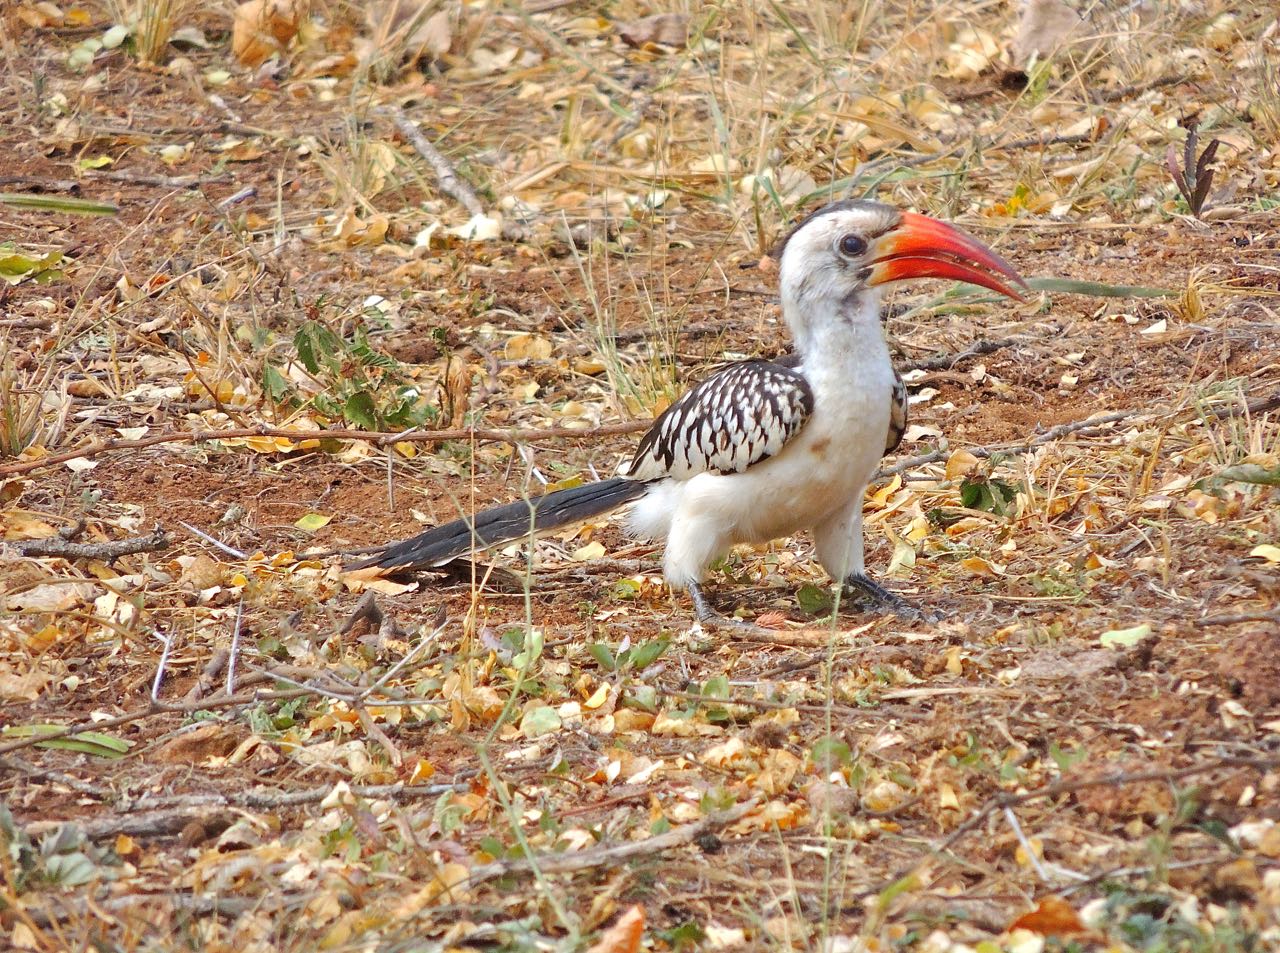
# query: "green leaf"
{"points": [[70, 870], [897, 889], [626, 589], [942, 516], [1097, 289], [538, 721], [717, 687], [18, 267], [717, 799], [687, 936], [275, 384], [1065, 758], [312, 522], [57, 203], [304, 343], [645, 654], [989, 496], [86, 742], [1251, 473], [361, 410], [813, 600], [1124, 638], [831, 752], [603, 655], [94, 162], [532, 650], [644, 697]]}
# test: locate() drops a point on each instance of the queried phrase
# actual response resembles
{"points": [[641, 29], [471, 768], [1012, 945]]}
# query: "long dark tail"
{"points": [[503, 524]]}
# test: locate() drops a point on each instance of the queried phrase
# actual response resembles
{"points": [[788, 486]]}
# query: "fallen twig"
{"points": [[1272, 616], [160, 823], [160, 181], [976, 349], [208, 679], [105, 552], [185, 707], [451, 184], [212, 541], [614, 855], [99, 447], [880, 711]]}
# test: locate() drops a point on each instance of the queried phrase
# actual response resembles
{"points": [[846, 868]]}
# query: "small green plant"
{"points": [[628, 658], [358, 384], [17, 265], [987, 494], [1154, 922], [64, 857], [272, 720]]}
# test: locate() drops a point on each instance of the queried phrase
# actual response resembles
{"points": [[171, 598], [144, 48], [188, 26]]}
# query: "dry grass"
{"points": [[1095, 720]]}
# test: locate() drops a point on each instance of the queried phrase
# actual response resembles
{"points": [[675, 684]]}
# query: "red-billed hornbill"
{"points": [[763, 449]]}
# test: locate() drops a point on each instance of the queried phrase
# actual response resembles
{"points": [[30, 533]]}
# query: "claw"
{"points": [[712, 619], [870, 595]]}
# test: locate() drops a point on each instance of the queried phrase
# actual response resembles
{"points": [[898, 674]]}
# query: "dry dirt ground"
{"points": [[541, 750]]}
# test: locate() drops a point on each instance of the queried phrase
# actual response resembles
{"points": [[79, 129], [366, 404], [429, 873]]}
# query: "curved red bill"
{"points": [[923, 247]]}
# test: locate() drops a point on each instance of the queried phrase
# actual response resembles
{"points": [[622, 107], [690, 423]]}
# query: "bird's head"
{"points": [[835, 259]]}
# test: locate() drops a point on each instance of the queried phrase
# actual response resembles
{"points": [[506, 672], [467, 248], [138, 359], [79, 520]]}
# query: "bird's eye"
{"points": [[852, 246]]}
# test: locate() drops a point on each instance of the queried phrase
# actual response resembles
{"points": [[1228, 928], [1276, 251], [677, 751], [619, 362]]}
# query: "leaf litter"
{"points": [[537, 750]]}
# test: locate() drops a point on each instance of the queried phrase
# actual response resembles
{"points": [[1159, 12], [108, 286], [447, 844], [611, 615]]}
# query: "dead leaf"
{"points": [[51, 597], [527, 347], [198, 746], [1052, 916], [262, 28], [624, 936], [961, 463], [663, 29], [1045, 26]]}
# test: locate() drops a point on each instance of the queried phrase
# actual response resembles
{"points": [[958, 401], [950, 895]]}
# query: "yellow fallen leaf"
{"points": [[525, 347], [982, 567], [597, 697], [880, 498], [960, 463], [593, 550], [422, 771], [312, 522], [1266, 551], [725, 753]]}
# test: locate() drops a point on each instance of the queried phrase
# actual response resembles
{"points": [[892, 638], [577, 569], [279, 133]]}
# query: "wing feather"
{"points": [[740, 415]]}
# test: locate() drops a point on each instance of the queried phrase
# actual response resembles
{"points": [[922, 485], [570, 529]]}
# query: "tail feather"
{"points": [[503, 524]]}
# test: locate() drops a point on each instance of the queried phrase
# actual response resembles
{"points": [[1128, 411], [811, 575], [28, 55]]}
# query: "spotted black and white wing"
{"points": [[740, 415], [898, 406]]}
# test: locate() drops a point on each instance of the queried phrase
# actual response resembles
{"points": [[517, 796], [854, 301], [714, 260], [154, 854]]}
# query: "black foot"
{"points": [[867, 594], [709, 617]]}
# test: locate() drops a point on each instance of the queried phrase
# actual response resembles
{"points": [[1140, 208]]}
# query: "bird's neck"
{"points": [[835, 335]]}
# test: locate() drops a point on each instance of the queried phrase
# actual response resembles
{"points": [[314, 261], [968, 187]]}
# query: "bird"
{"points": [[763, 449]]}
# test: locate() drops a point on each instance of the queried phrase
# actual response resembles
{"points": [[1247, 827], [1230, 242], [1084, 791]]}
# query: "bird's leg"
{"points": [[708, 616], [869, 594]]}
